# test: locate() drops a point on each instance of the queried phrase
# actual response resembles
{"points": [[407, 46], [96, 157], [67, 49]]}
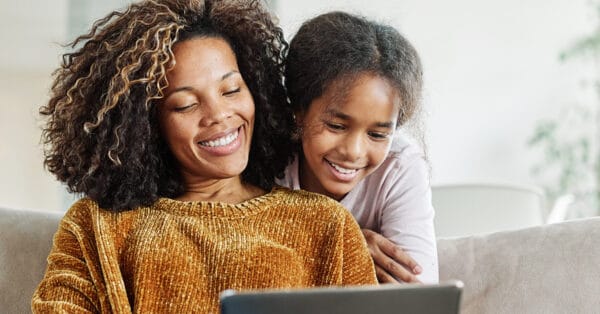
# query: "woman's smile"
{"points": [[207, 115], [223, 144]]}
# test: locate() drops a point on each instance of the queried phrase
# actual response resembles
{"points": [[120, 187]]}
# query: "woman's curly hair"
{"points": [[336, 47], [101, 134]]}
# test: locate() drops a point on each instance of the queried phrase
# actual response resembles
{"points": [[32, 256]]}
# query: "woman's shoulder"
{"points": [[303, 197], [87, 212], [82, 210], [310, 202]]}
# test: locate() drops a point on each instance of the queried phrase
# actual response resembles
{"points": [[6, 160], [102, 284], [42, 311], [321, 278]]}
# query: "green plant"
{"points": [[571, 142]]}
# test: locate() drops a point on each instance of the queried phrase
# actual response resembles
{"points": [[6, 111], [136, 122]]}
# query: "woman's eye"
{"points": [[184, 108], [231, 92]]}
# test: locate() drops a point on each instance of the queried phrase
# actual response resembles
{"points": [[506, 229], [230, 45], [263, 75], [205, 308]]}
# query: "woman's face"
{"points": [[347, 135], [207, 114]]}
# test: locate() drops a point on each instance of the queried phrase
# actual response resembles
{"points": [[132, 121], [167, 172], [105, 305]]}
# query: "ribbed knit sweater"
{"points": [[176, 257]]}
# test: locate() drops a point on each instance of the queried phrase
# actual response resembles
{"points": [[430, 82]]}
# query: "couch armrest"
{"points": [[25, 241], [546, 269]]}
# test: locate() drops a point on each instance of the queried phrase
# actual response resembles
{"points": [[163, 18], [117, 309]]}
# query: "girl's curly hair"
{"points": [[101, 134], [336, 47]]}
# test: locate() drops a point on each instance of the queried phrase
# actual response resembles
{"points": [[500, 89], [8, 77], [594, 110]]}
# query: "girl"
{"points": [[352, 83], [164, 120]]}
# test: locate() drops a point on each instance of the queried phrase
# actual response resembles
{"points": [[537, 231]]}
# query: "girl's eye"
{"points": [[184, 108], [335, 126], [379, 135], [231, 92]]}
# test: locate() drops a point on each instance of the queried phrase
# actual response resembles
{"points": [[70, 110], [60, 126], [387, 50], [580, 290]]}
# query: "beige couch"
{"points": [[547, 269], [25, 240]]}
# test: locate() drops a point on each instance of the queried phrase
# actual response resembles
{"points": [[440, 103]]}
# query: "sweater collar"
{"points": [[219, 209]]}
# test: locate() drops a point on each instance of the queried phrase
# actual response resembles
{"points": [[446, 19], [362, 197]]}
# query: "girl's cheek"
{"points": [[378, 154], [311, 130]]}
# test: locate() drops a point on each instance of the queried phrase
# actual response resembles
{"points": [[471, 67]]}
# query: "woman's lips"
{"points": [[224, 145]]}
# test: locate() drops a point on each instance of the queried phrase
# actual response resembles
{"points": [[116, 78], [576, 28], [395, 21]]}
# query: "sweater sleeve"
{"points": [[358, 267], [67, 286]]}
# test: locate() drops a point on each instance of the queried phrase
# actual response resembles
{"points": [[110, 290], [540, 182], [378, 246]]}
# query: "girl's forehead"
{"points": [[363, 89]]}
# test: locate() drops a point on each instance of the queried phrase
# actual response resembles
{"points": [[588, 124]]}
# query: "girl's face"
{"points": [[346, 137], [207, 113]]}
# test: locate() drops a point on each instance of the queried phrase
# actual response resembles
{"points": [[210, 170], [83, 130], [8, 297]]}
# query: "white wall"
{"points": [[491, 71], [32, 33], [28, 32]]}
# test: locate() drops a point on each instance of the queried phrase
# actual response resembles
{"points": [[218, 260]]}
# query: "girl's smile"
{"points": [[347, 137]]}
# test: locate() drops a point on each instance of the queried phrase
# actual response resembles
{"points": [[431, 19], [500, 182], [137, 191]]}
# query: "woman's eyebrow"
{"points": [[189, 88], [228, 74], [177, 90]]}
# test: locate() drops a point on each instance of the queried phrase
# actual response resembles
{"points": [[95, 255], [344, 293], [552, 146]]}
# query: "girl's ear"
{"points": [[299, 124], [299, 118]]}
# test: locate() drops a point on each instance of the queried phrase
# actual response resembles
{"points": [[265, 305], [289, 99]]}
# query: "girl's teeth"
{"points": [[225, 140], [342, 170]]}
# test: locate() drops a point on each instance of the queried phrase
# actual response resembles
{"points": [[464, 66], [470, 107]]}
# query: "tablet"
{"points": [[443, 298]]}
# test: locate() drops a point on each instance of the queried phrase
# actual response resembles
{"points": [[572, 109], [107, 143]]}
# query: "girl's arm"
{"points": [[391, 262], [407, 215], [394, 205]]}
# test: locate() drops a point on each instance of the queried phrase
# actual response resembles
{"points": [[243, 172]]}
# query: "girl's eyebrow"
{"points": [[387, 125], [331, 112], [337, 114]]}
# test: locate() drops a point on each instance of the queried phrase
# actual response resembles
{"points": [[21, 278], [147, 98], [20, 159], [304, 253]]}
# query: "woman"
{"points": [[165, 120]]}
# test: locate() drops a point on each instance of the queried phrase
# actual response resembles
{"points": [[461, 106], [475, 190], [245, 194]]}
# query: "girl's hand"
{"points": [[391, 262]]}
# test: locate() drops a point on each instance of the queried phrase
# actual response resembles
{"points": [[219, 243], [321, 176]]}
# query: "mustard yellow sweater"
{"points": [[176, 257]]}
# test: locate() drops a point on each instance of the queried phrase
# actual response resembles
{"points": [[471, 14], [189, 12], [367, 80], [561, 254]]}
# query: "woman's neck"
{"points": [[230, 190]]}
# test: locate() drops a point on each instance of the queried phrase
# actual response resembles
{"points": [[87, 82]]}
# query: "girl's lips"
{"points": [[340, 173]]}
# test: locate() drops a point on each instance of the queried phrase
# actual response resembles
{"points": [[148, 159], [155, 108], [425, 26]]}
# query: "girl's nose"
{"points": [[353, 147]]}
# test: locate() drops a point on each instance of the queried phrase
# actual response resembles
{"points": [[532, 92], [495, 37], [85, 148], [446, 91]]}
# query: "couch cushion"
{"points": [[546, 269], [25, 241]]}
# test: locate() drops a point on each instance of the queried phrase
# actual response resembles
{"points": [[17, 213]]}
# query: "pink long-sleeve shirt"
{"points": [[394, 201]]}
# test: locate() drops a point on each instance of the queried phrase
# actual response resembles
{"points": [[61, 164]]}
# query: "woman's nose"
{"points": [[214, 112]]}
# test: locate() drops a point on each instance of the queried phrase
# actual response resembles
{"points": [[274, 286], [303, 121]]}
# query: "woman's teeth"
{"points": [[225, 140], [342, 170]]}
